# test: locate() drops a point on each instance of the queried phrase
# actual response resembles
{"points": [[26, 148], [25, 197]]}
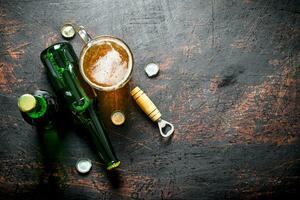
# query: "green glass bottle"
{"points": [[61, 61], [38, 109]]}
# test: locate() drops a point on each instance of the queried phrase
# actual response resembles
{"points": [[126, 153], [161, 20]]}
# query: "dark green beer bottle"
{"points": [[60, 61], [38, 109]]}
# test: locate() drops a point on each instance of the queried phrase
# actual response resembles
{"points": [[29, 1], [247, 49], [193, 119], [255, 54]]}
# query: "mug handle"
{"points": [[86, 38]]}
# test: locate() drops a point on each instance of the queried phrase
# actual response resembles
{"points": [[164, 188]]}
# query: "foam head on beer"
{"points": [[107, 63]]}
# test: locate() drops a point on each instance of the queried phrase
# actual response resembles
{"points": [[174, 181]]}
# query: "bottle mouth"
{"points": [[26, 102], [113, 165]]}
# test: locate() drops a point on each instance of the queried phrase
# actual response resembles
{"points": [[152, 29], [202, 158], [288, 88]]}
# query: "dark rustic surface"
{"points": [[229, 82]]}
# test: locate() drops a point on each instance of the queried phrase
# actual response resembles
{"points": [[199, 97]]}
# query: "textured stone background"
{"points": [[229, 82]]}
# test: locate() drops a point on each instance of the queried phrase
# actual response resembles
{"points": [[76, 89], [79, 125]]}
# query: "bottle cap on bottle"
{"points": [[117, 118], [26, 102], [83, 165]]}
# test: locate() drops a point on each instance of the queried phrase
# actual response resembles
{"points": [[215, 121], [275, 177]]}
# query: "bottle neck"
{"points": [[40, 109]]}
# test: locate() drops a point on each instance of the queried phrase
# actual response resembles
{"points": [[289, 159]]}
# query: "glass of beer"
{"points": [[106, 64]]}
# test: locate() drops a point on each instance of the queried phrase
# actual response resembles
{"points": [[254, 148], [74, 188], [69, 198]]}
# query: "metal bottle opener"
{"points": [[165, 128]]}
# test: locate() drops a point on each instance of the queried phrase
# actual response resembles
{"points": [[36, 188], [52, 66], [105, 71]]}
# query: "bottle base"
{"points": [[113, 165]]}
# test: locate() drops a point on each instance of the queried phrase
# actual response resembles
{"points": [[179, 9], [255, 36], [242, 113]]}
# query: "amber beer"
{"points": [[109, 102], [106, 65]]}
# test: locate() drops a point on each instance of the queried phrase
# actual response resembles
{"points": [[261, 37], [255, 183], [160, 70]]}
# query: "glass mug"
{"points": [[106, 64]]}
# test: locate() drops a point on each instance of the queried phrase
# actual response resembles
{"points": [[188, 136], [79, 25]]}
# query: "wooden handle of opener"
{"points": [[145, 104]]}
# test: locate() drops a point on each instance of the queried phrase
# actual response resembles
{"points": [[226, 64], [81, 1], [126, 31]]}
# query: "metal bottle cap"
{"points": [[117, 118], [26, 102], [83, 165], [152, 69], [67, 31]]}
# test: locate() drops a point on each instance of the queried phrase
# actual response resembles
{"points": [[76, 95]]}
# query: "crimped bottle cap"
{"points": [[83, 165], [117, 118], [26, 102], [67, 31], [151, 69]]}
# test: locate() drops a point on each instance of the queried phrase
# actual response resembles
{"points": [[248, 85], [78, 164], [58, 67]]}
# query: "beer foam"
{"points": [[109, 69]]}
